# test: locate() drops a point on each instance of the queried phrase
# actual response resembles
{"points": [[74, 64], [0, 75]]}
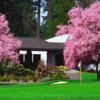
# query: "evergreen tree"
{"points": [[27, 25], [21, 16], [86, 3], [59, 9]]}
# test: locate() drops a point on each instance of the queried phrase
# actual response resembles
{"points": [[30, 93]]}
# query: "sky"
{"points": [[41, 13]]}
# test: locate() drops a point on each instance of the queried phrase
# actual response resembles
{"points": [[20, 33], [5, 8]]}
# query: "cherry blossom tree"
{"points": [[8, 44], [84, 28]]}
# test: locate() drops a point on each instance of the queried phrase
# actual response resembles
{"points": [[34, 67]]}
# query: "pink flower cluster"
{"points": [[8, 44], [84, 26]]}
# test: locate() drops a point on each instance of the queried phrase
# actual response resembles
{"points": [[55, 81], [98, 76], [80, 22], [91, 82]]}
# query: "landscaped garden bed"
{"points": [[12, 73]]}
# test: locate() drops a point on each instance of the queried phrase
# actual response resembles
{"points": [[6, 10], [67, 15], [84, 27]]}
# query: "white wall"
{"points": [[43, 55], [23, 53]]}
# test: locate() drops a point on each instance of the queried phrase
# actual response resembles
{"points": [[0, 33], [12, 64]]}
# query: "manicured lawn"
{"points": [[89, 90]]}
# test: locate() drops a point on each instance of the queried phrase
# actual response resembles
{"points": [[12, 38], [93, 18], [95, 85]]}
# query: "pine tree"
{"points": [[59, 9]]}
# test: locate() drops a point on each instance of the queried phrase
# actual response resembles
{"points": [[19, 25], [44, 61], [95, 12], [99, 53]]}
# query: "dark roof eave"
{"points": [[40, 49]]}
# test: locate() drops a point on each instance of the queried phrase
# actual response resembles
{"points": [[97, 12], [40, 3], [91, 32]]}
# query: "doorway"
{"points": [[36, 59], [59, 59]]}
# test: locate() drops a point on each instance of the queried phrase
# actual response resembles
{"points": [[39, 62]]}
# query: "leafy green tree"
{"points": [[86, 3], [59, 9], [21, 16], [27, 25]]}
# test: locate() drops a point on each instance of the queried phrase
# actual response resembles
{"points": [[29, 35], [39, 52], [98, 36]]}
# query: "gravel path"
{"points": [[72, 71], [73, 74]]}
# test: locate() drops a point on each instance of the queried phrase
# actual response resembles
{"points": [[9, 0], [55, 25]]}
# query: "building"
{"points": [[35, 49]]}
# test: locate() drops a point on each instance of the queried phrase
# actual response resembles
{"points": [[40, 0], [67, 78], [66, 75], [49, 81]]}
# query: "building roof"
{"points": [[59, 39], [33, 43]]}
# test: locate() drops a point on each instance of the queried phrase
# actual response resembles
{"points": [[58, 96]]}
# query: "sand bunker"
{"points": [[61, 82]]}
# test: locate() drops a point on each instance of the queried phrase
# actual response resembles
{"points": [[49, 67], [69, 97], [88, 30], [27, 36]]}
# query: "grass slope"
{"points": [[89, 90]]}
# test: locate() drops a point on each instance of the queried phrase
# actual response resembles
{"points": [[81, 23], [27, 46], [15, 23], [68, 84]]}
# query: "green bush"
{"points": [[12, 80], [43, 70], [57, 76], [10, 77], [28, 72], [17, 79], [12, 68], [39, 80], [65, 76], [1, 78], [28, 77], [4, 78], [2, 69], [35, 78]]}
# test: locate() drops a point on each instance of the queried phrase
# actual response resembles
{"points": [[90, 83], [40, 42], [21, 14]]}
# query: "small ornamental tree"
{"points": [[84, 28], [8, 44]]}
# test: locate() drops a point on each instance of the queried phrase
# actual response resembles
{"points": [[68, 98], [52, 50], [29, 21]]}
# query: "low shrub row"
{"points": [[17, 73], [9, 78], [30, 78]]}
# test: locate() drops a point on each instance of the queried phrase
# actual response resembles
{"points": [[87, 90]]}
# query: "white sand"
{"points": [[61, 82]]}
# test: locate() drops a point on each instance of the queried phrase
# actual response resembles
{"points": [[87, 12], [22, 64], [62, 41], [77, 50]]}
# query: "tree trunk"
{"points": [[98, 73], [49, 9], [49, 16], [38, 19]]}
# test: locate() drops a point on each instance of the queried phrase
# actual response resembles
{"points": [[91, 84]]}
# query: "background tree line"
{"points": [[23, 20]]}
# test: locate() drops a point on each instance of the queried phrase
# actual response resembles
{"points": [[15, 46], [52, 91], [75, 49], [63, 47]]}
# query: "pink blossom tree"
{"points": [[8, 44], [84, 28]]}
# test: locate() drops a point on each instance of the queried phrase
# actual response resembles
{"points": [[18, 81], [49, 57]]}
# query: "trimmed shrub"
{"points": [[43, 70], [39, 80], [60, 68], [35, 78], [12, 80], [65, 76], [11, 77], [1, 78], [2, 69], [28, 72], [58, 76], [28, 77], [12, 68], [30, 81]]}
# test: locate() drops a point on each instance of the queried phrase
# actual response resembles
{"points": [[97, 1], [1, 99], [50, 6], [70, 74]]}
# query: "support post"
{"points": [[80, 73]]}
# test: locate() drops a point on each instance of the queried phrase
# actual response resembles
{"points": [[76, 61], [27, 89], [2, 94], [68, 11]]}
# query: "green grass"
{"points": [[89, 90]]}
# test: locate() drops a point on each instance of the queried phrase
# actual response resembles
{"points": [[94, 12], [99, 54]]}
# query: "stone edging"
{"points": [[1, 83]]}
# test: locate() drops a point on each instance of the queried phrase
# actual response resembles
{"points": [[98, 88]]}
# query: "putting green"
{"points": [[89, 90]]}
